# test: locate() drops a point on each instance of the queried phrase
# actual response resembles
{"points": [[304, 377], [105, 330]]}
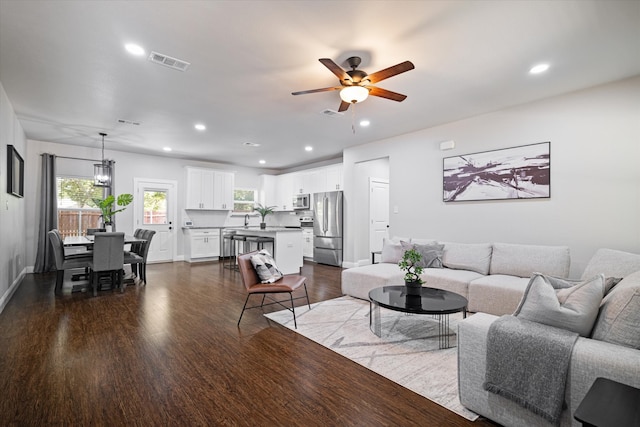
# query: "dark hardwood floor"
{"points": [[170, 353]]}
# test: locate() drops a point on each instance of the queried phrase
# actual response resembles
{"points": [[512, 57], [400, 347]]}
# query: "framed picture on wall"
{"points": [[15, 172], [512, 173]]}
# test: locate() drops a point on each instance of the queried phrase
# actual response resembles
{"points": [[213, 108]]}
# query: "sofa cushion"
{"points": [[497, 294], [562, 303], [358, 281], [430, 255], [524, 260], [619, 317], [612, 263], [467, 256], [456, 281]]}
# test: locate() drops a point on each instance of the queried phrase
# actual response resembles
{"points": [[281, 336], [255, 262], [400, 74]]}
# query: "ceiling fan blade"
{"points": [[391, 71], [383, 93], [343, 106], [335, 69], [324, 89]]}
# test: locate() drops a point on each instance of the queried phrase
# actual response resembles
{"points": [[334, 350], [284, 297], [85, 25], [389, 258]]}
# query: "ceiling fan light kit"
{"points": [[354, 94]]}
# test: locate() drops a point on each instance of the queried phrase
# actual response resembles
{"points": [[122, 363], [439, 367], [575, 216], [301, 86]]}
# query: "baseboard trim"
{"points": [[7, 295]]}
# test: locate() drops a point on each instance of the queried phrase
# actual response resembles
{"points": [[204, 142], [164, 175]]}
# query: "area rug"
{"points": [[406, 353]]}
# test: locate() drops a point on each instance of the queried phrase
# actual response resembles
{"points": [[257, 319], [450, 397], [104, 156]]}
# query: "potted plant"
{"points": [[106, 206], [409, 264], [263, 211]]}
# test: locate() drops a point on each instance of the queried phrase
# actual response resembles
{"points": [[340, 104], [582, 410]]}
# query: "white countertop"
{"points": [[268, 229]]}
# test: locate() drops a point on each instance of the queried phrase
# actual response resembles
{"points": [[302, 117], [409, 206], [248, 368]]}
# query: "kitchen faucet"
{"points": [[246, 220]]}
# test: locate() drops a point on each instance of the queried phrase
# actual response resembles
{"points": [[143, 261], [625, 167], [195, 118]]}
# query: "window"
{"points": [[244, 200], [155, 207], [76, 210]]}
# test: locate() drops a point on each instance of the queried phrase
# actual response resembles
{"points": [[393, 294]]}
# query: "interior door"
{"points": [[155, 209], [378, 212]]}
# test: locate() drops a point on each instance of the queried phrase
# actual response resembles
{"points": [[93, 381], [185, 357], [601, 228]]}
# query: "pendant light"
{"points": [[102, 171]]}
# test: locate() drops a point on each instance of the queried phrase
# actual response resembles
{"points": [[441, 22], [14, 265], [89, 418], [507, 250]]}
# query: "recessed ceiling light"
{"points": [[167, 148], [262, 162], [540, 68], [200, 126], [134, 49], [364, 123], [308, 148]]}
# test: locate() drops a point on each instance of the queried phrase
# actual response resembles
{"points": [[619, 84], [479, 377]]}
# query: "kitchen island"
{"points": [[287, 246]]}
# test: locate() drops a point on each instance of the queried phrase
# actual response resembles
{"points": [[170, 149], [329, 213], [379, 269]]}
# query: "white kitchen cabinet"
{"points": [[307, 242], [284, 192], [334, 180], [202, 244], [223, 190], [199, 188]]}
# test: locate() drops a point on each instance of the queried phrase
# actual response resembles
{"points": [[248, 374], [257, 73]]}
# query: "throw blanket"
{"points": [[527, 362]]}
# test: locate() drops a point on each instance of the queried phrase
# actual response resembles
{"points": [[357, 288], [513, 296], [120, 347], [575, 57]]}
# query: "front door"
{"points": [[155, 209]]}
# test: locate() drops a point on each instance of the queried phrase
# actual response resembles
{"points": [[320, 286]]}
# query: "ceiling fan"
{"points": [[356, 85]]}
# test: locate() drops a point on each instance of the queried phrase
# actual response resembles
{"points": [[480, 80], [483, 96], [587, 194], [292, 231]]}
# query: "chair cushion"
{"points": [[562, 303], [265, 267]]}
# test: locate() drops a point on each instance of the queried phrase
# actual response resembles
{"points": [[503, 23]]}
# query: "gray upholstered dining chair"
{"points": [[137, 257], [108, 258], [66, 261]]}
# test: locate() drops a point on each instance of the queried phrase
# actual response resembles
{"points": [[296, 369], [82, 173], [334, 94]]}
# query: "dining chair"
{"points": [[66, 261], [108, 258], [137, 257], [287, 284]]}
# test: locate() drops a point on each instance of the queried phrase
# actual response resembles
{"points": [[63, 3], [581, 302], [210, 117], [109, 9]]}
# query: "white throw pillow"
{"points": [[562, 303], [266, 267], [391, 251]]}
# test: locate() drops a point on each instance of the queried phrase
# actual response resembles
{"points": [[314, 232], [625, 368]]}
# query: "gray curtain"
{"points": [[48, 209], [109, 190]]}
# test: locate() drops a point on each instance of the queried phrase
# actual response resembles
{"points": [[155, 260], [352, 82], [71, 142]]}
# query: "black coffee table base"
{"points": [[436, 302]]}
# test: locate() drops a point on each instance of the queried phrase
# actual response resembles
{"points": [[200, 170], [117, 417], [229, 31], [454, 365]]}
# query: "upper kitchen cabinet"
{"points": [[199, 188], [334, 178], [284, 192], [223, 190], [209, 189]]}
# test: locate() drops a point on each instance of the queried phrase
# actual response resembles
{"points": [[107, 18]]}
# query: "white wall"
{"points": [[595, 176], [130, 166], [12, 208]]}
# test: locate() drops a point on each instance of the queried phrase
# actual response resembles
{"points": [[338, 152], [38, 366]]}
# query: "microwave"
{"points": [[302, 201]]}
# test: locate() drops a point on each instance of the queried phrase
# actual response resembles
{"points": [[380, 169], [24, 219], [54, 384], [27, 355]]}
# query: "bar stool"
{"points": [[227, 241], [260, 242], [237, 239]]}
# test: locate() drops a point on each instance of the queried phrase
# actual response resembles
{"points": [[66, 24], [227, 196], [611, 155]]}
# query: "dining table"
{"points": [[88, 240]]}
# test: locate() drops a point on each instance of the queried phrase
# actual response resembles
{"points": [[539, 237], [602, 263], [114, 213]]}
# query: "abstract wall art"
{"points": [[512, 173]]}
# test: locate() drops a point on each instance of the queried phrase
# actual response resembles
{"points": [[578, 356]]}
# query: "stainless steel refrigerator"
{"points": [[327, 228]]}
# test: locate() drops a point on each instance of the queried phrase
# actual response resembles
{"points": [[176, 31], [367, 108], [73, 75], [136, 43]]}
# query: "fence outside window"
{"points": [[74, 222]]}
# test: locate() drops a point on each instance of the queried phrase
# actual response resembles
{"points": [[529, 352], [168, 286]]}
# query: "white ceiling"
{"points": [[68, 76]]}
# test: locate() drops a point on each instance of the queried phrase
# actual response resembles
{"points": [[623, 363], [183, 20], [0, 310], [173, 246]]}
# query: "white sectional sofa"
{"points": [[612, 350], [492, 276]]}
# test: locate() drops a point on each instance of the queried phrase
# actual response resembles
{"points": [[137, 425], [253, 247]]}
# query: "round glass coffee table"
{"points": [[437, 302]]}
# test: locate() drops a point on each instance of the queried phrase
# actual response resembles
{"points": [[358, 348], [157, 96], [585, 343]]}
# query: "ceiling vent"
{"points": [[128, 122], [168, 61], [331, 113]]}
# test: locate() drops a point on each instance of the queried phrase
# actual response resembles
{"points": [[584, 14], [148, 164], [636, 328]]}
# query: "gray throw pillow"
{"points": [[562, 303], [266, 267], [619, 315], [430, 255]]}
